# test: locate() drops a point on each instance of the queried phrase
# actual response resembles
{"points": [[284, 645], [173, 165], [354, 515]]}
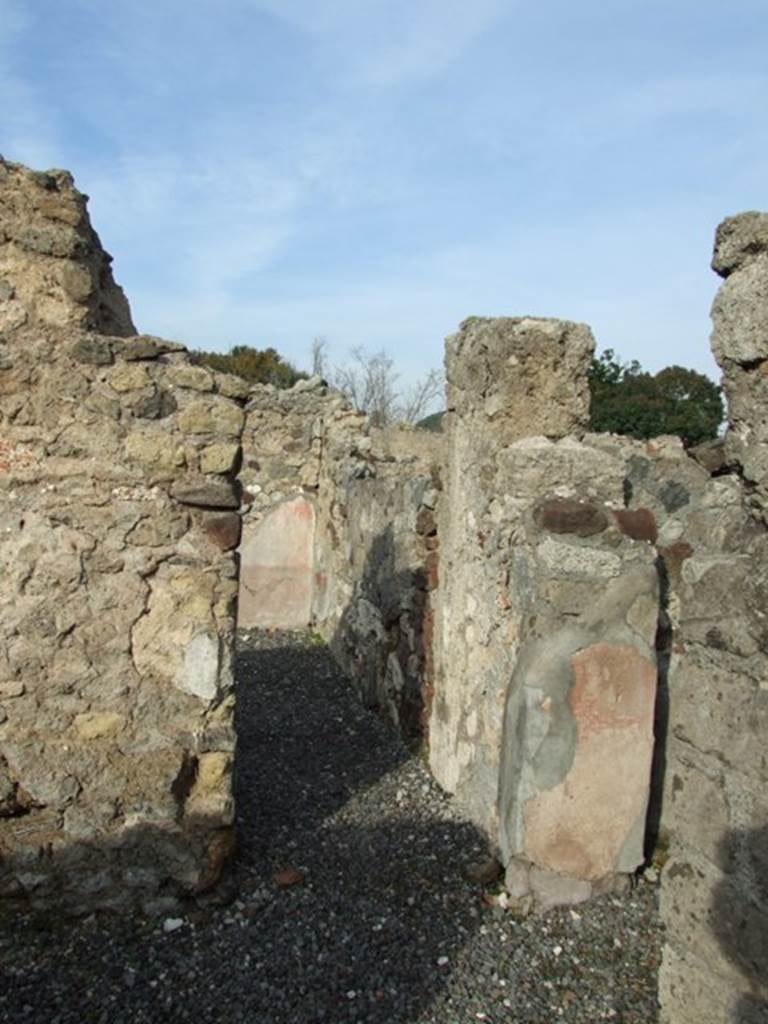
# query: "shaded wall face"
{"points": [[386, 565], [118, 523], [714, 900], [340, 534]]}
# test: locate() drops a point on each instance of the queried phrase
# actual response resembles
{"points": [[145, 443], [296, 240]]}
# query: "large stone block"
{"points": [[524, 375], [740, 315]]}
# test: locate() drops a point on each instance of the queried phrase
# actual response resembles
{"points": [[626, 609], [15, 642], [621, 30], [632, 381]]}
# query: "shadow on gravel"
{"points": [[305, 746], [383, 913], [373, 932]]}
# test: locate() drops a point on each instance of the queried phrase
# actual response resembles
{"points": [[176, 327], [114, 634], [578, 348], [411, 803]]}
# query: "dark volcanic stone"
{"points": [[710, 455], [146, 346], [156, 407], [569, 515], [207, 494], [674, 495], [92, 349], [223, 530]]}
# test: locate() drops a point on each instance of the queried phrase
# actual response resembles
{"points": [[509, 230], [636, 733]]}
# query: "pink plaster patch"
{"points": [[581, 826], [276, 569]]}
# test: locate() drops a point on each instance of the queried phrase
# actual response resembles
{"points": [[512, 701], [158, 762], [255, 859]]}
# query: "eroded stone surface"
{"points": [[714, 902], [117, 609], [591, 824]]}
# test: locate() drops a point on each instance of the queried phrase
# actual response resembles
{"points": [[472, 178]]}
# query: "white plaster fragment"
{"points": [[200, 672]]}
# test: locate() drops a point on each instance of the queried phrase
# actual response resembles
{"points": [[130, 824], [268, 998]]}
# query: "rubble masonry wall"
{"points": [[118, 524]]}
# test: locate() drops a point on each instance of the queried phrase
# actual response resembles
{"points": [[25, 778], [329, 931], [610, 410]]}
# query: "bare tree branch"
{"points": [[414, 404], [370, 382], [320, 366]]}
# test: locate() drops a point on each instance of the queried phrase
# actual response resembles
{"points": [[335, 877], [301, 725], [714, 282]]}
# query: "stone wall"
{"points": [[379, 551], [339, 534], [118, 520], [289, 437], [715, 886], [548, 615]]}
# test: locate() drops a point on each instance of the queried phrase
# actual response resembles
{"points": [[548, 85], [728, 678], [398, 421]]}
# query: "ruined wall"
{"points": [[289, 436], [340, 534], [379, 538], [714, 898], [524, 591], [118, 519], [547, 619]]}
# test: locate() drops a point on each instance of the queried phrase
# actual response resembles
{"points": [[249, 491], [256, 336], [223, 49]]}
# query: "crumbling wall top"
{"points": [[53, 269], [739, 240], [520, 376]]}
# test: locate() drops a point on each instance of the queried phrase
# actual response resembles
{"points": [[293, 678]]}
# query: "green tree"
{"points": [[625, 399], [259, 366]]}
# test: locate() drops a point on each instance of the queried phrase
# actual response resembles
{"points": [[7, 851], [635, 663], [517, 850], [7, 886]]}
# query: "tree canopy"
{"points": [[259, 366], [627, 400]]}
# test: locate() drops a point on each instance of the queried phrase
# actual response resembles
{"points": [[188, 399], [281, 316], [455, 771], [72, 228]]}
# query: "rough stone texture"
{"points": [[507, 379], [525, 619], [738, 240], [740, 344], [117, 609], [715, 814], [53, 270], [383, 573], [340, 533], [524, 375]]}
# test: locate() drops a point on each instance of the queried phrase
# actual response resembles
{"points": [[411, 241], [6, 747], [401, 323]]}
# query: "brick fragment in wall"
{"points": [[570, 515], [637, 523]]}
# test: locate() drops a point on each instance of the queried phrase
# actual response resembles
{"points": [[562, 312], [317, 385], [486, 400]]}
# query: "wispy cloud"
{"points": [[387, 42], [27, 131], [267, 170], [196, 231]]}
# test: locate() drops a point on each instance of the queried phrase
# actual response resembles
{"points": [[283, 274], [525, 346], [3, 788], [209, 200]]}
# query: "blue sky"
{"points": [[374, 171]]}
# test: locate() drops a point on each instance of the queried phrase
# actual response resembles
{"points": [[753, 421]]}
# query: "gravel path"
{"points": [[383, 927]]}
